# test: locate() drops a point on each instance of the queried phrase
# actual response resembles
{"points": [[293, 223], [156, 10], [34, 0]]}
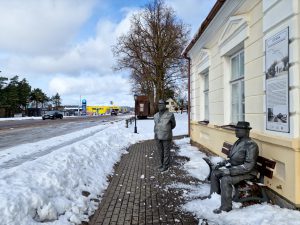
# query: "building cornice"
{"points": [[217, 18]]}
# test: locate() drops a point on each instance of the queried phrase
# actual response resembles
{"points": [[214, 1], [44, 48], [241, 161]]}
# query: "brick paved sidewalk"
{"points": [[137, 194]]}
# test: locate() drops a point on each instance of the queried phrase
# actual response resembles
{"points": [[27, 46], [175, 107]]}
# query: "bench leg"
{"points": [[264, 195], [261, 190]]}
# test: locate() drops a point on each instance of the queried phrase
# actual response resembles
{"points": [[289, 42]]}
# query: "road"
{"points": [[16, 132]]}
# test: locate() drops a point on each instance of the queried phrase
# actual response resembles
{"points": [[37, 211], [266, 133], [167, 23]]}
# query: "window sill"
{"points": [[226, 127], [203, 122]]}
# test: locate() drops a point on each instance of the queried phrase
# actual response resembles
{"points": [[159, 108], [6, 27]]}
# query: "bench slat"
{"points": [[225, 151], [269, 163], [264, 171], [227, 145]]}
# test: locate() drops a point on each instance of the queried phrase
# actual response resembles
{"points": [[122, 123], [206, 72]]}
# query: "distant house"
{"points": [[171, 105]]}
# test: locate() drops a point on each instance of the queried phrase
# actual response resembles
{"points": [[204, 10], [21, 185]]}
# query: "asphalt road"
{"points": [[16, 132]]}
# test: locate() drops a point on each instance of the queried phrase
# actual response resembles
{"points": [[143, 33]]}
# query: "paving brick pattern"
{"points": [[137, 192]]}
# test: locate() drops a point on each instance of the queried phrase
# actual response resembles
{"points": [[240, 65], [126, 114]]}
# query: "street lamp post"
{"points": [[135, 108], [79, 105]]}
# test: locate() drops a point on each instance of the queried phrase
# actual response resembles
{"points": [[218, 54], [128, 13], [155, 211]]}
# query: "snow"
{"points": [[58, 181], [258, 214], [40, 118], [21, 118]]}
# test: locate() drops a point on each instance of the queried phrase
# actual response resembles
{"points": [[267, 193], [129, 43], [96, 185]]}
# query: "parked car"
{"points": [[114, 113], [53, 115]]}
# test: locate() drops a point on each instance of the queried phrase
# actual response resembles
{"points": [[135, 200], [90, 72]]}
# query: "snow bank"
{"points": [[21, 118], [259, 214], [48, 188], [27, 118]]}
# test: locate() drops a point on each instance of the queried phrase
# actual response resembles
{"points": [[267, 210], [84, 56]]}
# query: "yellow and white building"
{"points": [[244, 64], [101, 110]]}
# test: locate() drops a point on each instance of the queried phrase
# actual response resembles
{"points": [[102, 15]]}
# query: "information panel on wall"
{"points": [[277, 82]]}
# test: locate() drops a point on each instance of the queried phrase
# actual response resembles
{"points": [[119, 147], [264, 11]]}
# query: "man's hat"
{"points": [[243, 125], [161, 102]]}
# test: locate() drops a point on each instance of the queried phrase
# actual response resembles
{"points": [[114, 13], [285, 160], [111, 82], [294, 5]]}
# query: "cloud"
{"points": [[91, 55], [89, 84], [41, 27], [43, 42], [96, 89], [49, 57]]}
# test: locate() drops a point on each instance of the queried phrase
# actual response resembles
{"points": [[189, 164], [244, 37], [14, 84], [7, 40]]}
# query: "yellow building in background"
{"points": [[101, 110]]}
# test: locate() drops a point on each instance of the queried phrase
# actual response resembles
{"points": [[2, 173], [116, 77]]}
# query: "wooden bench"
{"points": [[253, 190]]}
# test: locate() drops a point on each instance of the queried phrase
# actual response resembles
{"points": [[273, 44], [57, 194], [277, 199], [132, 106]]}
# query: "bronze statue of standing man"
{"points": [[164, 122]]}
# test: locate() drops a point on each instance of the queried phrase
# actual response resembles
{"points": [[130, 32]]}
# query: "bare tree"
{"points": [[152, 51]]}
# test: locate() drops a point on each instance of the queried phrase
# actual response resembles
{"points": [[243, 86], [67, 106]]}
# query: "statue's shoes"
{"points": [[160, 167], [164, 169], [205, 197], [220, 210]]}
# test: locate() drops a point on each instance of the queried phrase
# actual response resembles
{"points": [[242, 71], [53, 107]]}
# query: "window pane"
{"points": [[235, 92], [205, 93], [237, 98], [206, 109], [242, 100], [242, 66], [235, 67], [206, 82], [235, 102], [235, 113]]}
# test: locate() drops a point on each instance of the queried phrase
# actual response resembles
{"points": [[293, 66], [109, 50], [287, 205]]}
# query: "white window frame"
{"points": [[206, 95], [239, 81]]}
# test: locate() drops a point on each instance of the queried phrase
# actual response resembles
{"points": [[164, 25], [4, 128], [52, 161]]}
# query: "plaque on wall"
{"points": [[277, 82]]}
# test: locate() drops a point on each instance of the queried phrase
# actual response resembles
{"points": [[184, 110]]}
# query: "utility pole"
{"points": [[79, 105]]}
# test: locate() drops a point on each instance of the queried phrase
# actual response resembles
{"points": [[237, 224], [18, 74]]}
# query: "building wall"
{"points": [[246, 25]]}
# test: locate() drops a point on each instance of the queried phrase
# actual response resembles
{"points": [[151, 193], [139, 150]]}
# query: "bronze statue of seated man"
{"points": [[239, 166]]}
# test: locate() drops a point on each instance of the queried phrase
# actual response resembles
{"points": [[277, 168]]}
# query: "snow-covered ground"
{"points": [[27, 118], [259, 214], [43, 183], [21, 118], [38, 117], [45, 179]]}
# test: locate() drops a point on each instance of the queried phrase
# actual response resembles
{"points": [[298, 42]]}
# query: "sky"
{"points": [[64, 46]]}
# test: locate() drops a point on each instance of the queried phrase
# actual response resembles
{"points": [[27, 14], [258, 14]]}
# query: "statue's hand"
{"points": [[220, 164], [222, 172], [225, 171]]}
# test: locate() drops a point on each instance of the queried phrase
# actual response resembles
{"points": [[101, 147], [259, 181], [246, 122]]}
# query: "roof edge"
{"points": [[213, 12]]}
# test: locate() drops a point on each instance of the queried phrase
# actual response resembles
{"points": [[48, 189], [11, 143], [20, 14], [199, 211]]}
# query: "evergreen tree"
{"points": [[11, 94], [24, 90], [56, 100], [38, 96], [3, 84]]}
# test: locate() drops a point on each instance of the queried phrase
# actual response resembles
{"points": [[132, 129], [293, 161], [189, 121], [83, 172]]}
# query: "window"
{"points": [[205, 93], [237, 87], [141, 107]]}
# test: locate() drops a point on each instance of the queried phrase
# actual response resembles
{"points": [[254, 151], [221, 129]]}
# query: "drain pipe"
{"points": [[189, 94]]}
